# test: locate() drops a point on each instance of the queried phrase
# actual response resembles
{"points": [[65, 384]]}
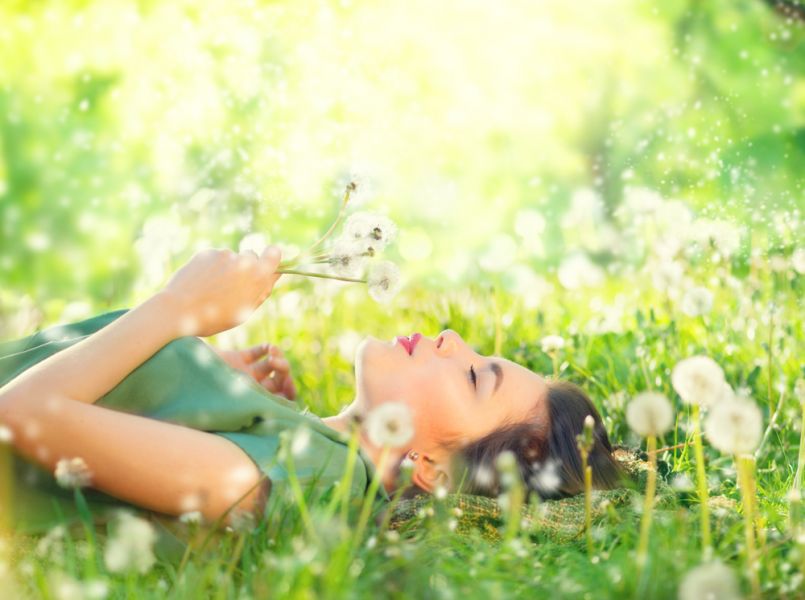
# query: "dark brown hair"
{"points": [[537, 446]]}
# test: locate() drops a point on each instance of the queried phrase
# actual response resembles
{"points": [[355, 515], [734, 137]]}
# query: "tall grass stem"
{"points": [[701, 482]]}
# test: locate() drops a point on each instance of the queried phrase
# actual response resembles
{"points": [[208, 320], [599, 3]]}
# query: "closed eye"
{"points": [[473, 377]]}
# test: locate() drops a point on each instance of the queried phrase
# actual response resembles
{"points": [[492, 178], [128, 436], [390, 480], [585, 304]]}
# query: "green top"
{"points": [[186, 383]]}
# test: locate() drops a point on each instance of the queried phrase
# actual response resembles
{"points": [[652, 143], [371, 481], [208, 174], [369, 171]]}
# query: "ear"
{"points": [[428, 474]]}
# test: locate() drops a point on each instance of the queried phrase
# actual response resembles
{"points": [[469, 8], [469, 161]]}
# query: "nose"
{"points": [[448, 342]]}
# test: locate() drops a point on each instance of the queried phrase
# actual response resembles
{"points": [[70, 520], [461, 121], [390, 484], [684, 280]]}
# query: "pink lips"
{"points": [[409, 344]]}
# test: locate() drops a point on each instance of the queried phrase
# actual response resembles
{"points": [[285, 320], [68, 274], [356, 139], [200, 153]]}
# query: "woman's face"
{"points": [[435, 380]]}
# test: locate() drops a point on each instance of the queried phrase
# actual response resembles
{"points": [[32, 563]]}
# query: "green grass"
{"points": [[283, 558]]}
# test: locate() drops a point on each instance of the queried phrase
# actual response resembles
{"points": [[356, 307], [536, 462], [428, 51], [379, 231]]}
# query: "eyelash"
{"points": [[473, 376]]}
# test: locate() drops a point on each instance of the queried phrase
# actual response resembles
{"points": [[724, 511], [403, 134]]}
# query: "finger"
{"points": [[270, 384], [270, 258], [252, 354], [288, 388], [271, 365]]}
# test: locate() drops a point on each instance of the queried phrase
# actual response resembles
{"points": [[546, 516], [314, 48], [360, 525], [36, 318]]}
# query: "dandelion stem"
{"points": [[516, 497], [320, 275], [746, 483], [369, 500], [648, 504], [350, 188], [588, 501], [701, 481]]}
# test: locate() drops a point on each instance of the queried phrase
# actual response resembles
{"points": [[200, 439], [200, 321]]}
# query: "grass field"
{"points": [[622, 335]]}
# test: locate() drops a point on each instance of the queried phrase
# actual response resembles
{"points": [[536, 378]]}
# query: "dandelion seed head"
{"points": [[697, 301], [73, 473], [698, 380], [667, 275], [193, 516], [383, 281], [546, 478], [649, 413], [348, 257], [130, 548], [552, 343], [390, 424], [709, 581], [483, 476], [300, 441], [734, 426]]}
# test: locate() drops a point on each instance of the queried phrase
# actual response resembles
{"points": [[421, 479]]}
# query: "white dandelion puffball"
{"points": [[666, 275], [131, 546], [383, 281], [697, 301], [698, 380], [73, 473], [734, 426], [710, 581], [377, 228], [552, 343], [546, 478], [649, 413], [348, 257], [390, 424]]}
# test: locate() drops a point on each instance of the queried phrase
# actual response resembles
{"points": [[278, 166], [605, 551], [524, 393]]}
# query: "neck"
{"points": [[351, 417]]}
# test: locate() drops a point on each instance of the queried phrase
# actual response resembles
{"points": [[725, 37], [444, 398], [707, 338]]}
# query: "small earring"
{"points": [[413, 455]]}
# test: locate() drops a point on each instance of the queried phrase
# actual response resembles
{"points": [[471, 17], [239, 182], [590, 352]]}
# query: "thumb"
{"points": [[270, 257]]}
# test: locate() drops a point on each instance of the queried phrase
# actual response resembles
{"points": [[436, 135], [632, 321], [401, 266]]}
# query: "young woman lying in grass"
{"points": [[193, 438]]}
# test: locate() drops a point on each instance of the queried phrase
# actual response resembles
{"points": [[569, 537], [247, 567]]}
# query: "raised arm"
{"points": [[156, 465]]}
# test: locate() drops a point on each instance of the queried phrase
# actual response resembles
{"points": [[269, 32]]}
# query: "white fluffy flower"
{"points": [[666, 275], [552, 343], [710, 581], [697, 301], [546, 478], [577, 270], [649, 413], [377, 228], [390, 424], [131, 546], [348, 257], [699, 380], [300, 440], [73, 473], [734, 426], [383, 280]]}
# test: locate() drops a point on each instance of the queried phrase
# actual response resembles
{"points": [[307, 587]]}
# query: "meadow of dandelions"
{"points": [[689, 342]]}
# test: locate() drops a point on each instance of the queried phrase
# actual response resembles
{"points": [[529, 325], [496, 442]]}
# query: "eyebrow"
{"points": [[498, 371]]}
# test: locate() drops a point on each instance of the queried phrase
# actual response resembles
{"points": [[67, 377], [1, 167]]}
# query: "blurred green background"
{"points": [[502, 137]]}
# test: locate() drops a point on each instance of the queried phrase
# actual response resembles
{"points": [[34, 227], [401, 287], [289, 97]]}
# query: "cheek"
{"points": [[441, 408]]}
